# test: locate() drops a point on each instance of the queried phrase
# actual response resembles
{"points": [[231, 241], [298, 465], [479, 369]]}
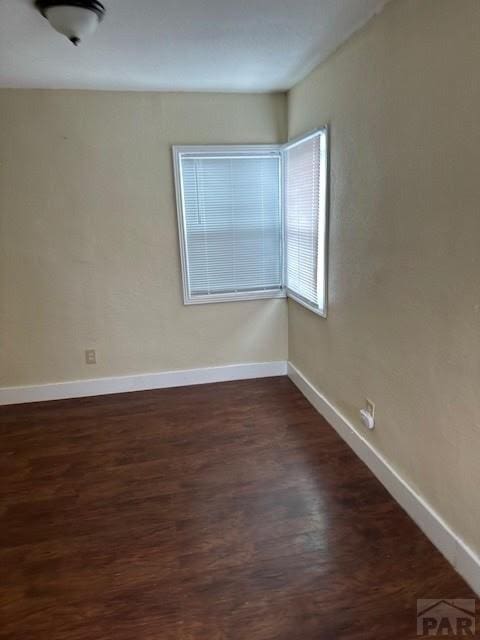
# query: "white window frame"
{"points": [[325, 130], [180, 151]]}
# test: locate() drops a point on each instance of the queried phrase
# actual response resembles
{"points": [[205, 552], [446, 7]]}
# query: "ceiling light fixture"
{"points": [[75, 19]]}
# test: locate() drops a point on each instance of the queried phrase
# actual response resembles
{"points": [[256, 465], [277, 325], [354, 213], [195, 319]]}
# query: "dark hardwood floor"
{"points": [[218, 512]]}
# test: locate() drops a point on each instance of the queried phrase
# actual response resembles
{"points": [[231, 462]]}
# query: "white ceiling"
{"points": [[180, 45]]}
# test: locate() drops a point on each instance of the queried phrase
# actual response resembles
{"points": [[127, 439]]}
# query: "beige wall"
{"points": [[88, 238], [403, 101]]}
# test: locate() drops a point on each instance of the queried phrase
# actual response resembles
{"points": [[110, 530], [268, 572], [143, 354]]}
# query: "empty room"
{"points": [[239, 319]]}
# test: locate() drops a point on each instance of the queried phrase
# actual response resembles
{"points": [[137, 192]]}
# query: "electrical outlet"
{"points": [[370, 407], [367, 415], [90, 356]]}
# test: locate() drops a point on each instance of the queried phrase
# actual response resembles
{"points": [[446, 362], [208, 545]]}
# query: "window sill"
{"points": [[235, 297], [319, 312]]}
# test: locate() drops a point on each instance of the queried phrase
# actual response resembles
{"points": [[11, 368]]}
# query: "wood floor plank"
{"points": [[225, 511]]}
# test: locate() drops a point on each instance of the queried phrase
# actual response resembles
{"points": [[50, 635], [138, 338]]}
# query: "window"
{"points": [[253, 221], [230, 222], [306, 220]]}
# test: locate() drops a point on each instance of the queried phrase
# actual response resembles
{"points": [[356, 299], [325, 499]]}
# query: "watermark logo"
{"points": [[446, 618]]}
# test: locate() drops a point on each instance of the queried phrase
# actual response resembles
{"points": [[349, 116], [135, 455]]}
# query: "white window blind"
{"points": [[231, 224], [306, 219]]}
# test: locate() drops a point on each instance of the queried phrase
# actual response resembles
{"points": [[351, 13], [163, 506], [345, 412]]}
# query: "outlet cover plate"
{"points": [[370, 407], [90, 356]]}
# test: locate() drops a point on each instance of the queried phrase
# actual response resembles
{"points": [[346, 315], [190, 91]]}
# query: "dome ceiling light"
{"points": [[75, 19]]}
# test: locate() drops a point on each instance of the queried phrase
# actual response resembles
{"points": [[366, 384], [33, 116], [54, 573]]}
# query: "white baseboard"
{"points": [[460, 556], [141, 382]]}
